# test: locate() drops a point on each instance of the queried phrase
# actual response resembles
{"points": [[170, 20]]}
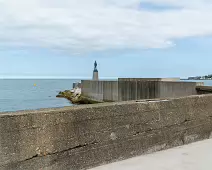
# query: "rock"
{"points": [[75, 97], [84, 100], [60, 96]]}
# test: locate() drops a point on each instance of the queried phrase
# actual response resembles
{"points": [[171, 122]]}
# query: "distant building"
{"points": [[95, 72]]}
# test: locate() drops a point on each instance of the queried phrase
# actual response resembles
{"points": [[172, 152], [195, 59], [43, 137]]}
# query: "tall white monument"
{"points": [[95, 72]]}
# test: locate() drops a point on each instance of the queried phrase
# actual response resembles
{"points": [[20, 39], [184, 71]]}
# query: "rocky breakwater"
{"points": [[75, 96]]}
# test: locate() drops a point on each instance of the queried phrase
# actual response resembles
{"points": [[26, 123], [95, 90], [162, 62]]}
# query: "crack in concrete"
{"points": [[54, 153], [74, 148], [35, 156]]}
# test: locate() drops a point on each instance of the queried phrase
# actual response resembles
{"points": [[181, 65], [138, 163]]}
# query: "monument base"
{"points": [[95, 76]]}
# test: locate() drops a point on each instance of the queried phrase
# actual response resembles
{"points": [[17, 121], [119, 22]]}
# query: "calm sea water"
{"points": [[23, 95]]}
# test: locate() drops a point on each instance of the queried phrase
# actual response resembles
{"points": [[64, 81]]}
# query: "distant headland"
{"points": [[207, 77]]}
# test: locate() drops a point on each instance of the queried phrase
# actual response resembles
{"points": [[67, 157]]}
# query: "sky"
{"points": [[127, 38]]}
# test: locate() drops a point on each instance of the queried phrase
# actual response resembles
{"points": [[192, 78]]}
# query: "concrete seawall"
{"points": [[100, 90], [137, 89], [80, 137]]}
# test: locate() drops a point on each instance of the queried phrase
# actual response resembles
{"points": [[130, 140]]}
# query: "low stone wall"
{"points": [[82, 137]]}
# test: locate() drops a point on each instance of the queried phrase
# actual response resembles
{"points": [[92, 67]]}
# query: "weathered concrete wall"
{"points": [[93, 89], [177, 89], [135, 90], [110, 91], [100, 90], [80, 137]]}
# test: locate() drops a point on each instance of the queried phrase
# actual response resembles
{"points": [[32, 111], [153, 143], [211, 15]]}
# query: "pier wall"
{"points": [[93, 89], [110, 91], [82, 137], [100, 90], [177, 89], [136, 89]]}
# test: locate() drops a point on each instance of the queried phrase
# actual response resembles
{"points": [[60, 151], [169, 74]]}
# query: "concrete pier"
{"points": [[136, 89]]}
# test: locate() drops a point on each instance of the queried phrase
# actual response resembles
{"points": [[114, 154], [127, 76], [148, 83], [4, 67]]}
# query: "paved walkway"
{"points": [[196, 156]]}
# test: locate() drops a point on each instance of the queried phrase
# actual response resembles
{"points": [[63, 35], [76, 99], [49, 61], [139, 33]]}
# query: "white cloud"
{"points": [[89, 25]]}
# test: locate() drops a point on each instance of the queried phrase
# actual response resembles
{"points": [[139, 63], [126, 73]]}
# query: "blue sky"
{"points": [[140, 38]]}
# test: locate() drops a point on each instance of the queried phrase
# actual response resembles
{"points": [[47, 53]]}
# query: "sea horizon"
{"points": [[54, 78]]}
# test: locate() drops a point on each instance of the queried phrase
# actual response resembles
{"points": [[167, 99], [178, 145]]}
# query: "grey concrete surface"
{"points": [[82, 137], [100, 90], [136, 89], [177, 89], [110, 91], [93, 89]]}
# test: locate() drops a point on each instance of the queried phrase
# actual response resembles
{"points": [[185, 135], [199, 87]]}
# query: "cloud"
{"points": [[90, 25]]}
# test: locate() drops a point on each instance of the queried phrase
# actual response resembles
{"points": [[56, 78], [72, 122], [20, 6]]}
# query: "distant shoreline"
{"points": [[196, 79]]}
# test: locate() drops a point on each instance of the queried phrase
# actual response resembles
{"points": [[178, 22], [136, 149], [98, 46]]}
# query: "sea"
{"points": [[33, 94]]}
